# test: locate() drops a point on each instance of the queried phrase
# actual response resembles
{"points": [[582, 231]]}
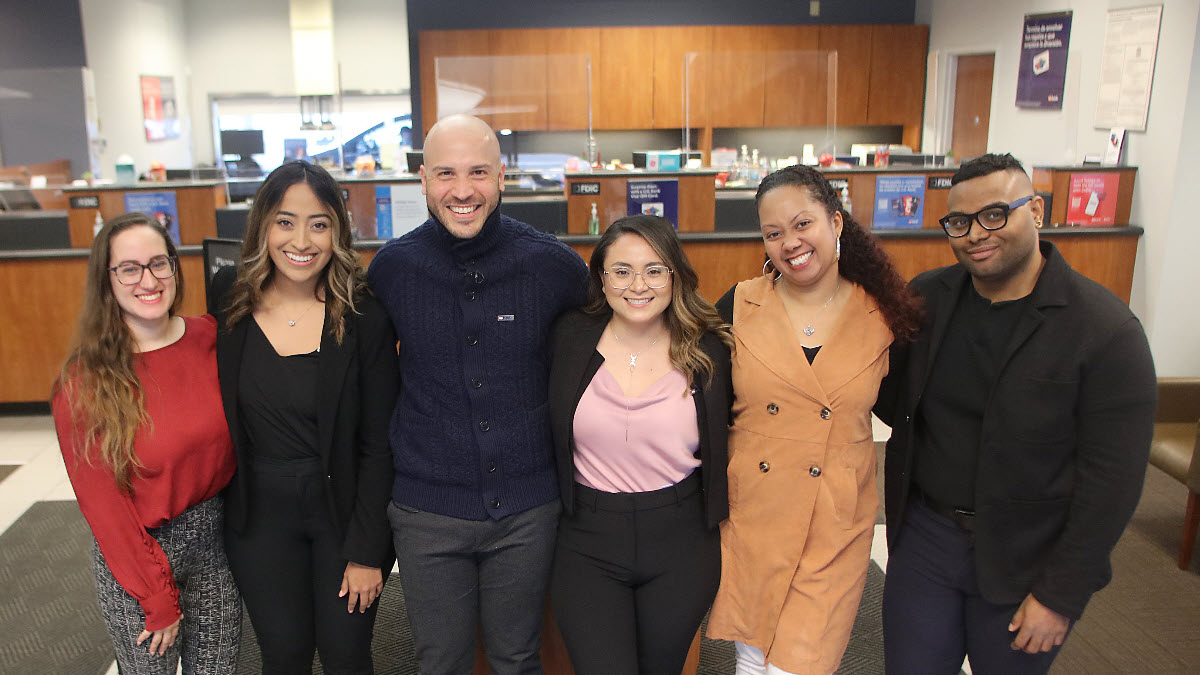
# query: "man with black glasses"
{"points": [[1021, 423]]}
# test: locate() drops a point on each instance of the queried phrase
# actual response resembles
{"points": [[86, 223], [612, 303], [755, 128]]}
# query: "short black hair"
{"points": [[986, 164]]}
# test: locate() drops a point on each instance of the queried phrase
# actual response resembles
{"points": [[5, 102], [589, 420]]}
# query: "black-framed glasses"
{"points": [[655, 276], [130, 273], [991, 218]]}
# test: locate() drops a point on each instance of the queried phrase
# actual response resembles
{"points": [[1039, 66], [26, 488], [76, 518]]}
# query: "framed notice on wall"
{"points": [[1042, 73], [1127, 67], [160, 112]]}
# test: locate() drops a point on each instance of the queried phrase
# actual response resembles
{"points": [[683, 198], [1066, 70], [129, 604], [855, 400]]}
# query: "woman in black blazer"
{"points": [[307, 363], [639, 405]]}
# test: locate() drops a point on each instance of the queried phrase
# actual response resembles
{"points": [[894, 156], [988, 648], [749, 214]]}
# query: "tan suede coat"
{"points": [[802, 496]]}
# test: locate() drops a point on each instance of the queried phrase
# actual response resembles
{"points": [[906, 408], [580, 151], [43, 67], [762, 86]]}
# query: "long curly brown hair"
{"points": [[98, 378], [863, 259], [689, 316]]}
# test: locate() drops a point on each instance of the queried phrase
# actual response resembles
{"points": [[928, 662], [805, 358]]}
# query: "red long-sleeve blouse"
{"points": [[186, 456]]}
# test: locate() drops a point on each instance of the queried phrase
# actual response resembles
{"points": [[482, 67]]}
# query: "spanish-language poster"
{"points": [[1093, 199], [1042, 73], [399, 209], [1127, 68], [159, 205], [655, 198], [160, 113], [899, 202]]}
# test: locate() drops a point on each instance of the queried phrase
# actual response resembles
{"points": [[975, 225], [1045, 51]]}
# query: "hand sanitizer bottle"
{"points": [[594, 222]]}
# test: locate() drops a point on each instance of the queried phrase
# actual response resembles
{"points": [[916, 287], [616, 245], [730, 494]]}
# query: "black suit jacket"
{"points": [[1065, 436], [574, 361], [359, 379]]}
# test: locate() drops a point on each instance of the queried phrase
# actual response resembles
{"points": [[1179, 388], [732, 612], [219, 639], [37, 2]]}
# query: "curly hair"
{"points": [[689, 316], [343, 280], [98, 377], [863, 260]]}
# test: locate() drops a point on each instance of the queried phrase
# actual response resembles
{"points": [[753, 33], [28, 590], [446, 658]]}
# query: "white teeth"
{"points": [[150, 297], [299, 258], [638, 302], [800, 260], [464, 210]]}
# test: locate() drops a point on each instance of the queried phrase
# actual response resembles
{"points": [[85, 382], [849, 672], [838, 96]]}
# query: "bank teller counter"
{"points": [[188, 206]]}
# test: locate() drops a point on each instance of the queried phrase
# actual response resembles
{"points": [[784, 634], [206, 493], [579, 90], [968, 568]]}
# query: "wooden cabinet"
{"points": [[852, 45], [518, 85], [623, 80], [795, 77], [897, 93], [681, 58], [451, 80], [735, 83], [568, 52]]}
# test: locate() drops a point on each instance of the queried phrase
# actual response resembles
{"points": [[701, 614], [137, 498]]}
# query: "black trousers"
{"points": [[288, 564], [933, 613], [634, 574]]}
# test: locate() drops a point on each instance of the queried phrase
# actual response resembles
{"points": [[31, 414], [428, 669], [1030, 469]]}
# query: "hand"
{"points": [[1038, 628], [362, 584], [161, 639]]}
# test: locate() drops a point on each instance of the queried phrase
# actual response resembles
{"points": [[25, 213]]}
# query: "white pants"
{"points": [[750, 661]]}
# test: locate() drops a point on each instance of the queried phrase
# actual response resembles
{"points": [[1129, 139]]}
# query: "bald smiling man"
{"points": [[472, 294]]}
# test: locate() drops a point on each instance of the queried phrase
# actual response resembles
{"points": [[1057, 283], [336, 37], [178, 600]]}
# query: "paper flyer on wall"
{"points": [[654, 197], [1093, 199], [399, 209], [159, 205], [1127, 67], [1042, 73], [899, 202]]}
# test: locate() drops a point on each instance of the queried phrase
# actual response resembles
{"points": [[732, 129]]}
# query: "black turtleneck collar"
{"points": [[466, 249]]}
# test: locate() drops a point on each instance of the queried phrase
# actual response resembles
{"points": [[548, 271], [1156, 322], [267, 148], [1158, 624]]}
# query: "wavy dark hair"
{"points": [[689, 316], [863, 259], [343, 280], [98, 377]]}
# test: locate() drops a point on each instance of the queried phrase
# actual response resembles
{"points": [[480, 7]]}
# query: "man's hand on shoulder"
{"points": [[1038, 628]]}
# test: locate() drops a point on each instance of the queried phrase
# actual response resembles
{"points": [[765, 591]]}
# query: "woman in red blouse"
{"points": [[142, 431]]}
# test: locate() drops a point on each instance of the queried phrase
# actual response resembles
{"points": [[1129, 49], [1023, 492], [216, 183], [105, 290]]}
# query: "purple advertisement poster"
{"points": [[158, 205], [656, 198], [1043, 70], [899, 202]]}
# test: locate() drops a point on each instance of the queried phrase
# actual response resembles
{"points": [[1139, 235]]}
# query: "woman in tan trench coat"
{"points": [[811, 346]]}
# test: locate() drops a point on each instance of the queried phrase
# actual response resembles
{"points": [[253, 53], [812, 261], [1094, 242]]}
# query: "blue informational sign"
{"points": [[158, 205], [654, 197], [1042, 73], [899, 202], [383, 212]]}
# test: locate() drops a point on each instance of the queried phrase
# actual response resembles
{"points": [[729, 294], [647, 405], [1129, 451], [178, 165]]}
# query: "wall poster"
{"points": [[899, 202], [1127, 67], [399, 209], [158, 205], [655, 198], [1042, 73], [1093, 199], [160, 113]]}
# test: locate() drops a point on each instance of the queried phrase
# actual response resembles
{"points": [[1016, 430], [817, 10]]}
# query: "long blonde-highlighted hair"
{"points": [[343, 280], [688, 316], [98, 377]]}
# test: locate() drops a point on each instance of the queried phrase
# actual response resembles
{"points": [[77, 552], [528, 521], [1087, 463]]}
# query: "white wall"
{"points": [[125, 40], [245, 46], [1164, 279]]}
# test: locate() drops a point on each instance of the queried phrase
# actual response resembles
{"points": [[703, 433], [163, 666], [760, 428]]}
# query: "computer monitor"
{"points": [[242, 143], [218, 253], [415, 159]]}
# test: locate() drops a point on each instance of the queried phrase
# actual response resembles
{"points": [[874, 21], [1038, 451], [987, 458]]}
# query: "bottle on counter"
{"points": [[846, 199], [99, 223], [594, 222]]}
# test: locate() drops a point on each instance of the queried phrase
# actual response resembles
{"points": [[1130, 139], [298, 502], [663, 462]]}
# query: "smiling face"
{"points": [[462, 176], [149, 300], [638, 304], [799, 235], [1009, 254], [300, 237]]}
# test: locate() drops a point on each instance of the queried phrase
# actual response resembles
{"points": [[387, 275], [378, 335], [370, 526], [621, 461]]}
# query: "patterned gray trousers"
{"points": [[211, 628]]}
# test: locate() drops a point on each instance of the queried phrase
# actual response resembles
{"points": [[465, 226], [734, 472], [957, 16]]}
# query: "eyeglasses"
{"points": [[130, 273], [991, 218], [655, 276]]}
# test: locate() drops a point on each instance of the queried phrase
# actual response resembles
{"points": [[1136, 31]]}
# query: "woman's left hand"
{"points": [[362, 584]]}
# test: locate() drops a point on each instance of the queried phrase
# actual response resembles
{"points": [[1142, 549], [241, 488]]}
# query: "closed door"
{"points": [[972, 105]]}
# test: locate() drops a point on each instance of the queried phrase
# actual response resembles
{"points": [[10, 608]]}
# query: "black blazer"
{"points": [[359, 380], [1064, 441], [574, 361]]}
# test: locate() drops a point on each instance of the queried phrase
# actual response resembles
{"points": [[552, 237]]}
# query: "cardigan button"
{"points": [[764, 467], [826, 413], [814, 471], [491, 467], [476, 384], [470, 296], [772, 409], [472, 340], [484, 425], [495, 503]]}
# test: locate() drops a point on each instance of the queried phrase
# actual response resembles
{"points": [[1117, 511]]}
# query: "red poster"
{"points": [[1093, 199]]}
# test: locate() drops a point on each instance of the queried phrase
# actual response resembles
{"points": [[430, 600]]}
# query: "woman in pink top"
{"points": [[639, 405]]}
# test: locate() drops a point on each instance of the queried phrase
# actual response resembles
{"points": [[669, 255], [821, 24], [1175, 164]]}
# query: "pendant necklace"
{"points": [[632, 366], [292, 322], [810, 329]]}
